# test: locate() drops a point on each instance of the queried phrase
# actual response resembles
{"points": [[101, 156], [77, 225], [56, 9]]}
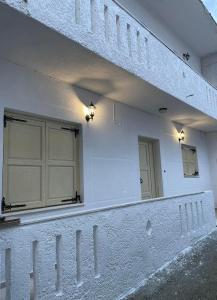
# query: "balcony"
{"points": [[78, 256], [124, 56]]}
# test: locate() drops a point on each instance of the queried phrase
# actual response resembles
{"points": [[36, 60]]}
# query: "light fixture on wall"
{"points": [[163, 110], [189, 96], [186, 56], [181, 136], [90, 112]]}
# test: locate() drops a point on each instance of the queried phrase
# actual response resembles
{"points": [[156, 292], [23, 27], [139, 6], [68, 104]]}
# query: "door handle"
{"points": [[141, 180]]}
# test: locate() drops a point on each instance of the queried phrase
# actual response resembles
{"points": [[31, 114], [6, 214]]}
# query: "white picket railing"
{"points": [[99, 254]]}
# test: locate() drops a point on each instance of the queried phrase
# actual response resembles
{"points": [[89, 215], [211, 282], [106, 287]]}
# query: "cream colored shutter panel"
{"points": [[189, 161], [24, 163], [61, 163], [147, 170]]}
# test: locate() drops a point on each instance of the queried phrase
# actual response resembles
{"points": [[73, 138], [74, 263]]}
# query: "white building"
{"points": [[91, 209]]}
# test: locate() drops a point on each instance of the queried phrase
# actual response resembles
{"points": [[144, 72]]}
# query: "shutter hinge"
{"points": [[77, 199], [8, 118], [5, 206], [8, 223], [75, 130]]}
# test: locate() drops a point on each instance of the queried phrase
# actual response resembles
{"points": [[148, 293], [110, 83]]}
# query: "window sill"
{"points": [[40, 214], [53, 215], [191, 176], [9, 223]]}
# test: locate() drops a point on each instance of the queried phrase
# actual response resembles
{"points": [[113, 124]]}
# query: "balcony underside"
{"points": [[26, 42], [192, 24]]}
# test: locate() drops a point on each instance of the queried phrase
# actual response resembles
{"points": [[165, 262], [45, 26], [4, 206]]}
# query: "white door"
{"points": [[147, 172]]}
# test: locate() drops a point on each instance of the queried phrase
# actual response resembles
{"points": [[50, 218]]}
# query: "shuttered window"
{"points": [[190, 163], [41, 163]]}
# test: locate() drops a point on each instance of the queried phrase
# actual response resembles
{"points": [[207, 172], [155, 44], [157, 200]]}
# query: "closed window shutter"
{"points": [[41, 163], [24, 159], [189, 156], [61, 163]]}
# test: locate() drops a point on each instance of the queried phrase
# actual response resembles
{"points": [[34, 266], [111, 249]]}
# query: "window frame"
{"points": [[44, 188], [196, 167]]}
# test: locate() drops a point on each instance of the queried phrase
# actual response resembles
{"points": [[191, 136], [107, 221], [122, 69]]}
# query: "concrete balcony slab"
{"points": [[29, 43]]}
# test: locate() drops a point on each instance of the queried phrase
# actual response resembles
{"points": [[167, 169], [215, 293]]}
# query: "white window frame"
{"points": [[45, 122]]}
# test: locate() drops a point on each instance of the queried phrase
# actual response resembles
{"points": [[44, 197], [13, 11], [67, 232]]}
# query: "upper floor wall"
{"points": [[78, 255], [145, 14], [209, 68], [106, 29], [110, 172]]}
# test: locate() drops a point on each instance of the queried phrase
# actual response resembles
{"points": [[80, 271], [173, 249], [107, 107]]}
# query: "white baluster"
{"points": [[45, 267], [20, 264]]}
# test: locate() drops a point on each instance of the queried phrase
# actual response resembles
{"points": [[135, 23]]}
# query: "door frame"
{"points": [[156, 165]]}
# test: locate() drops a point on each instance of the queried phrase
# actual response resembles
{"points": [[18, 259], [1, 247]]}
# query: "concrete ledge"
{"points": [[60, 212], [102, 254]]}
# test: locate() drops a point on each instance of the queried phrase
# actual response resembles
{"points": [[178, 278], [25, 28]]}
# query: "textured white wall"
{"points": [[100, 255], [141, 54], [212, 153], [110, 142], [209, 68], [132, 241], [153, 22]]}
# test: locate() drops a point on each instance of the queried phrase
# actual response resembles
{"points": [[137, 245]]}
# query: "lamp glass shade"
{"points": [[91, 109], [182, 136]]}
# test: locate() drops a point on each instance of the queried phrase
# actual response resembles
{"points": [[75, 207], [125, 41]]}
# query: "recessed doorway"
{"points": [[150, 168]]}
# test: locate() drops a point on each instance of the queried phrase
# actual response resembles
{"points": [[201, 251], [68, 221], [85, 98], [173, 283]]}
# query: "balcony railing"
{"points": [[102, 252], [108, 30]]}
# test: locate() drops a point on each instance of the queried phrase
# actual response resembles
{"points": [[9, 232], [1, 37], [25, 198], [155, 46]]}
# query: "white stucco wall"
{"points": [[101, 254], [130, 242], [146, 16], [212, 152], [110, 143], [147, 57], [209, 68]]}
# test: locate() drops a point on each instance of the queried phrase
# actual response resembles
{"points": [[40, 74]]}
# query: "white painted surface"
{"points": [[100, 255], [146, 234], [110, 167], [212, 153], [190, 21], [209, 68], [154, 18], [146, 57]]}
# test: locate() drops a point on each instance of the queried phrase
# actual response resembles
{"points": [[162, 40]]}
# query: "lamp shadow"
{"points": [[92, 90], [178, 126]]}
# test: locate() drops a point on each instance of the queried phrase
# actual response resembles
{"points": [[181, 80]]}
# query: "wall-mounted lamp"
{"points": [[163, 110], [181, 136], [91, 112], [189, 96], [186, 56]]}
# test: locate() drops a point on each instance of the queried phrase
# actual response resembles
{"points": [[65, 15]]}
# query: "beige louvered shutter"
{"points": [[189, 156], [147, 180], [61, 163], [24, 161]]}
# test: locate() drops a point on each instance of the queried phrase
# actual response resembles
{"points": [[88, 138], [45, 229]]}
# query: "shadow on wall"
{"points": [[85, 96], [103, 86]]}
